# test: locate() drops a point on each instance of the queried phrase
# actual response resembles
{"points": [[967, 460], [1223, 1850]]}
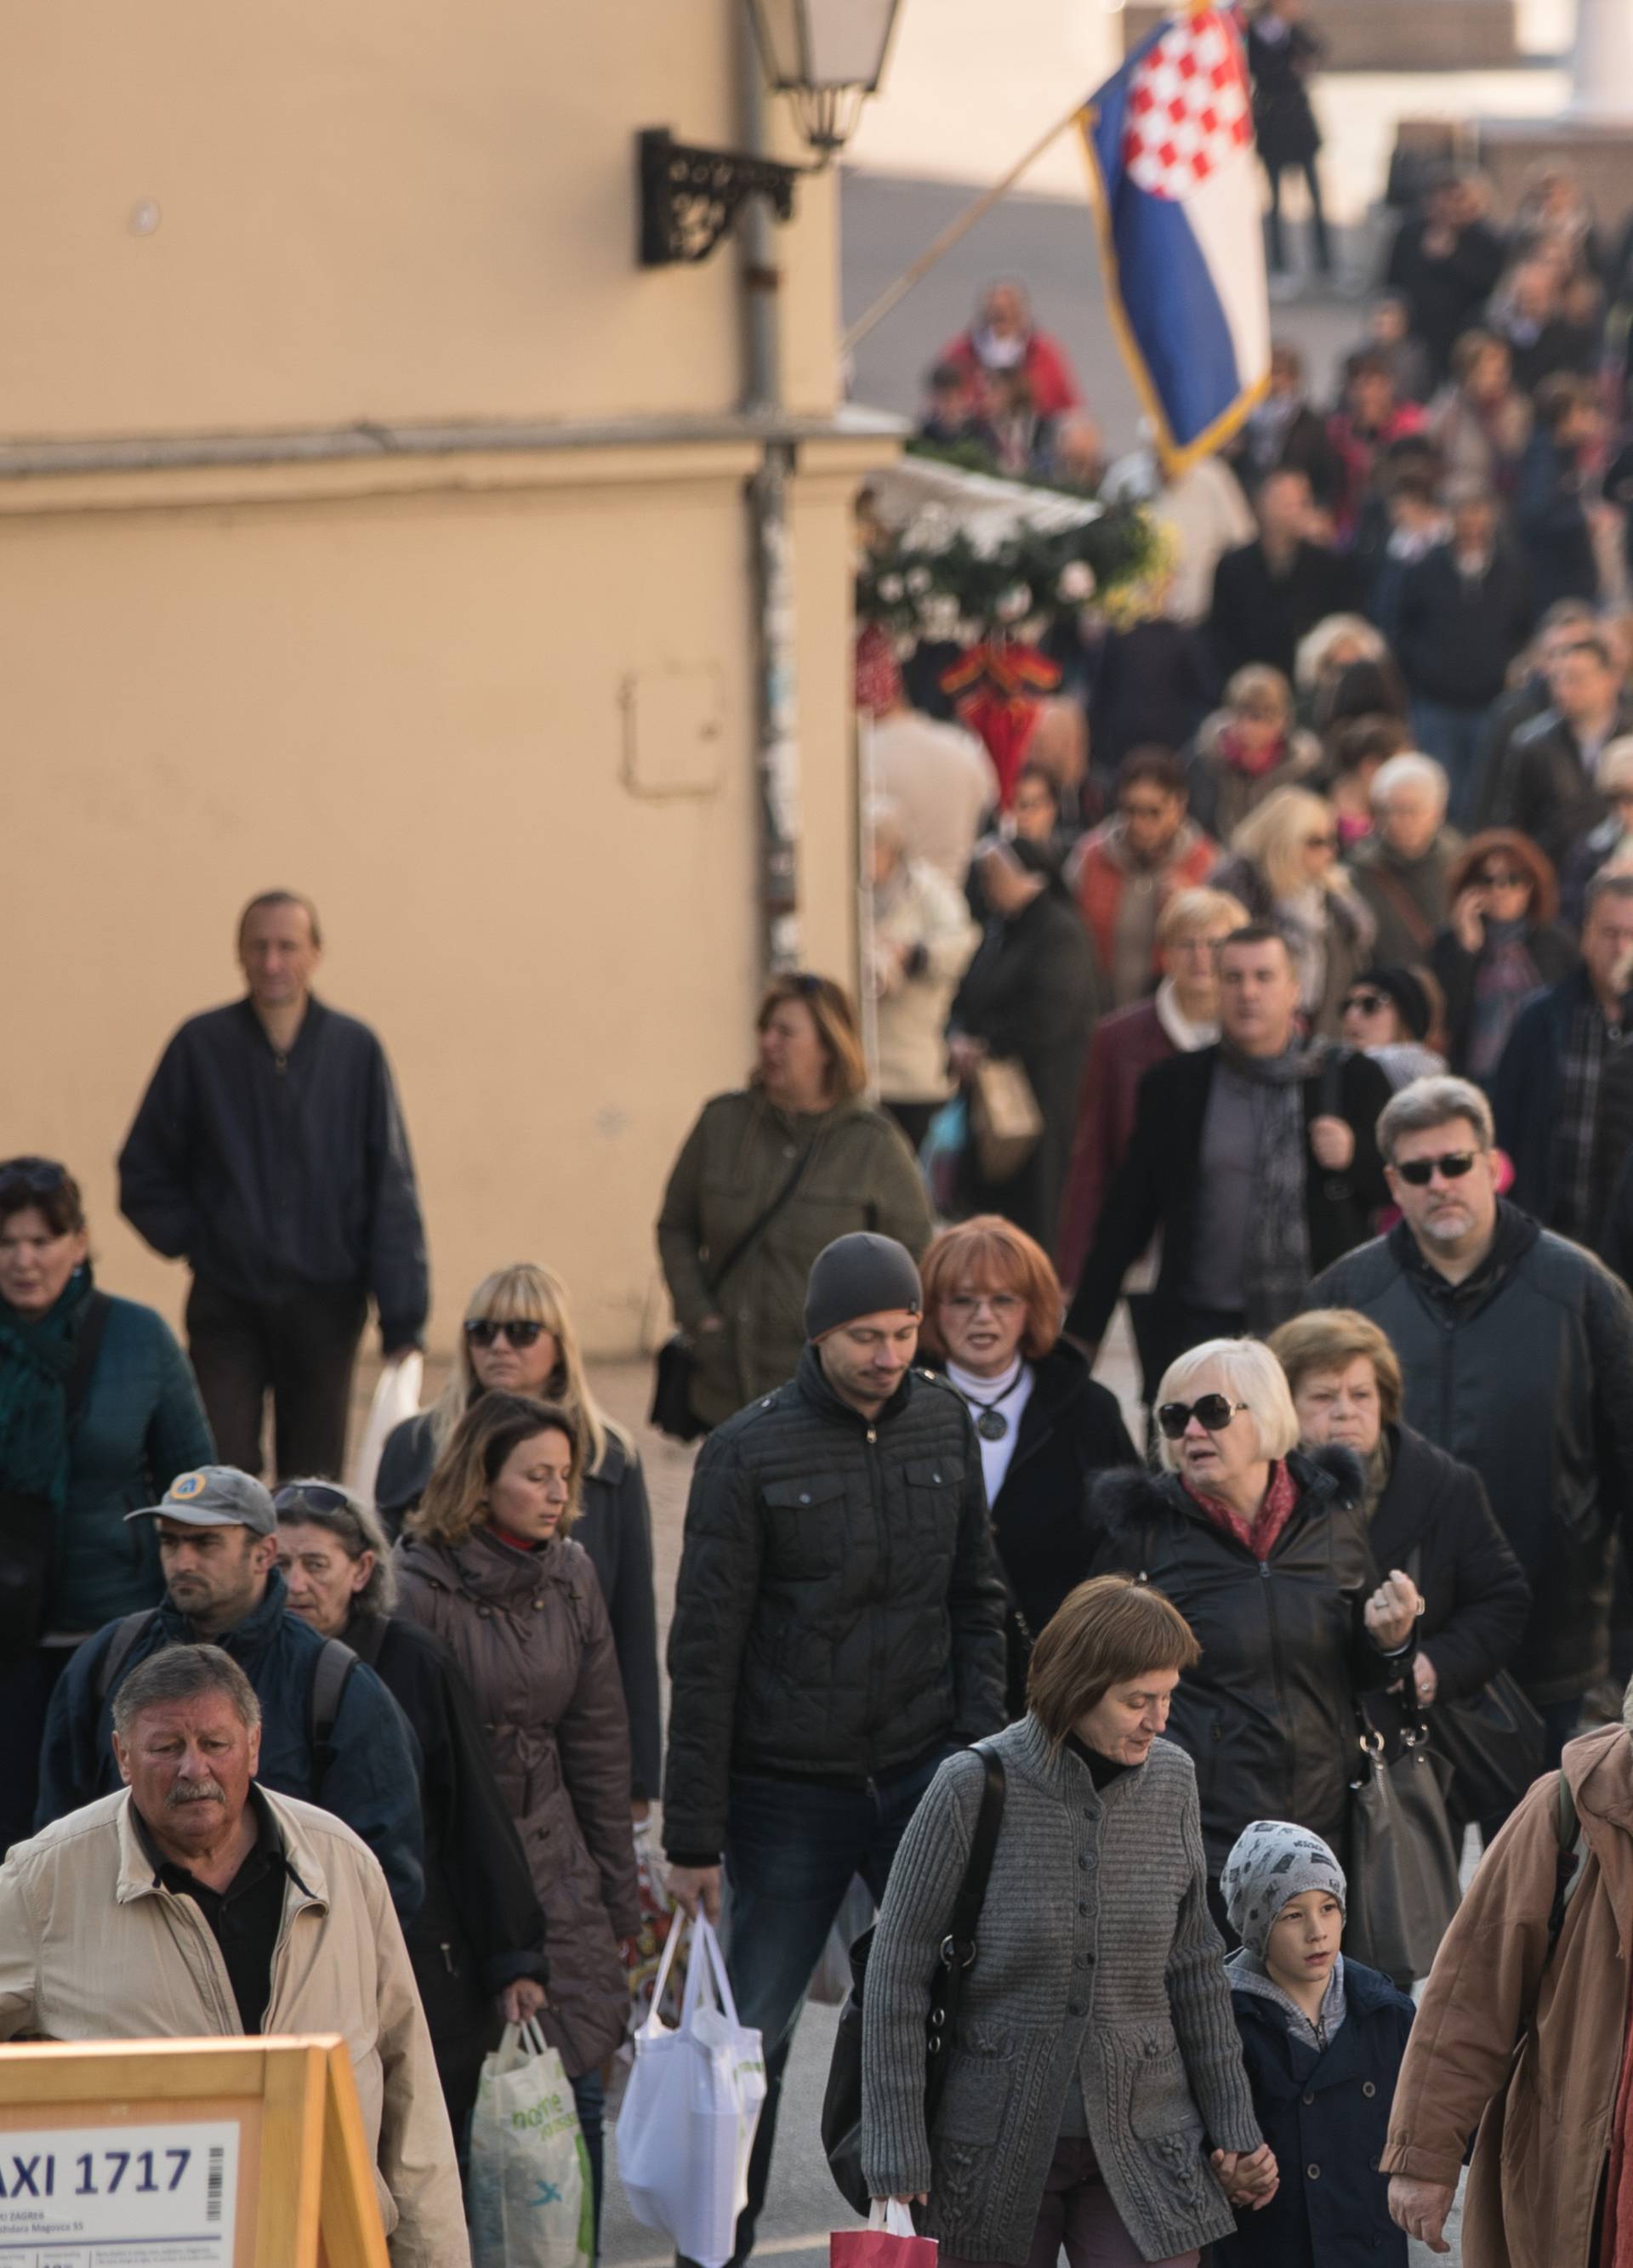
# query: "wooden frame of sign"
{"points": [[203, 2153]]}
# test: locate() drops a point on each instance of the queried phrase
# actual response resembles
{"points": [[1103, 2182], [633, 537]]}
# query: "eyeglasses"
{"points": [[1500, 880], [1368, 1003], [1214, 1411], [969, 1303], [482, 1333], [37, 1178], [1451, 1168], [310, 1496]]}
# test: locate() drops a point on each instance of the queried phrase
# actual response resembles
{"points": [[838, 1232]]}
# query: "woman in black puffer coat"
{"points": [[1265, 1552]]}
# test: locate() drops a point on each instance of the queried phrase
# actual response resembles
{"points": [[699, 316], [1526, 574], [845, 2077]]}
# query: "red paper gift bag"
{"points": [[888, 2242]]}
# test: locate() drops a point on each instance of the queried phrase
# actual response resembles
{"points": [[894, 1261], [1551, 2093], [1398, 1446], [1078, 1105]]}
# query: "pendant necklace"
{"points": [[990, 1421]]}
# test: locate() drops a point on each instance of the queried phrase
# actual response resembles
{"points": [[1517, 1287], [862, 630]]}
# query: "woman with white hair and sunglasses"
{"points": [[1263, 1549], [518, 1338]]}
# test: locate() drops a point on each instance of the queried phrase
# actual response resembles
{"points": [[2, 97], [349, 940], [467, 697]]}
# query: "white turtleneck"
{"points": [[1012, 1390]]}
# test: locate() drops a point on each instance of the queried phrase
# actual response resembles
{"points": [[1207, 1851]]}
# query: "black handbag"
{"points": [[26, 1521], [842, 2102], [671, 1411], [1492, 1741], [1403, 1857]]}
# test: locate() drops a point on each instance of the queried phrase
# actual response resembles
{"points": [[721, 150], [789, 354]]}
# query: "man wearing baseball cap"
{"points": [[331, 1734], [837, 1631]]}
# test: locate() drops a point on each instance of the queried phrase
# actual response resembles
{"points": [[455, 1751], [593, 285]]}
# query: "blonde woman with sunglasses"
{"points": [[518, 1338]]}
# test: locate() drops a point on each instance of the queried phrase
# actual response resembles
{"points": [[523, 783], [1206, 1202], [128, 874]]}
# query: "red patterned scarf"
{"points": [[1259, 1538]]}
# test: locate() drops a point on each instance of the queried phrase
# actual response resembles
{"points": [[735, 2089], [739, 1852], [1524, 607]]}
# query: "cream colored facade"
{"points": [[371, 524]]}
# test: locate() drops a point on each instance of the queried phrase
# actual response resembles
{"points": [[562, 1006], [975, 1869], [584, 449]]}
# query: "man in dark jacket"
{"points": [[1554, 512], [1255, 1157], [1548, 1095], [1465, 612], [269, 1153], [837, 1631], [1444, 263], [331, 1733], [1554, 759], [1269, 592], [1517, 1350]]}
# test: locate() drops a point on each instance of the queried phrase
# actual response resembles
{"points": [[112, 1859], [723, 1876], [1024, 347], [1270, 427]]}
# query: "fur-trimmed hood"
{"points": [[1128, 1501]]}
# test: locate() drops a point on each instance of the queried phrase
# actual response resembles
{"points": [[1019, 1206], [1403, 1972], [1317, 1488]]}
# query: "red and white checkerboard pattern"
{"points": [[1188, 107]]}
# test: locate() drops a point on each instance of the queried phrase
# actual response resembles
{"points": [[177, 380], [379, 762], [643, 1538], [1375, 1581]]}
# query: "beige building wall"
{"points": [[488, 697]]}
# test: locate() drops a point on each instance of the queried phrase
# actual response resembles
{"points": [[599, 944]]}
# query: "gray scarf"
{"points": [[1278, 1238], [1247, 1973]]}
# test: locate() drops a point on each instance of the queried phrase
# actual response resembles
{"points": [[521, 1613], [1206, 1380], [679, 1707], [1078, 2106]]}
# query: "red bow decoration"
{"points": [[995, 688]]}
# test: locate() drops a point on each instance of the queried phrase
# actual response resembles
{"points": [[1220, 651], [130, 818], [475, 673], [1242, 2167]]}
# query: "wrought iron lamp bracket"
{"points": [[689, 198]]}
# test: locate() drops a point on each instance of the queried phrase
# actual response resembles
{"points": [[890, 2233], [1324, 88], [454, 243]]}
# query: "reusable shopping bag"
{"points": [[396, 1396], [889, 2240], [690, 2108], [532, 2205]]}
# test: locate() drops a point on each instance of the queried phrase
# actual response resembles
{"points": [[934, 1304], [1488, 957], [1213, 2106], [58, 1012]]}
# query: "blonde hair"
{"points": [[1331, 1338], [525, 1292], [1316, 648], [1272, 838], [1250, 1374], [488, 1434], [1188, 913]]}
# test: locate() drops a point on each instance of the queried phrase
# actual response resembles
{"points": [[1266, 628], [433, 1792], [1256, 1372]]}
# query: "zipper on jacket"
{"points": [[876, 1484]]}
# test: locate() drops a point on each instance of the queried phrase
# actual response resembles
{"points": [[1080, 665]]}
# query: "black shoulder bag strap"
{"points": [[87, 1346], [330, 1673], [958, 1947], [755, 1229]]}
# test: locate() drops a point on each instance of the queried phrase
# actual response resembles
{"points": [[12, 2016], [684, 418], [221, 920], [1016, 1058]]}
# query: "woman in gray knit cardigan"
{"points": [[1095, 2095]]}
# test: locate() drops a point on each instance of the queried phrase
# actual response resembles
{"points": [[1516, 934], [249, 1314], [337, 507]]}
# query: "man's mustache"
{"points": [[194, 1791]]}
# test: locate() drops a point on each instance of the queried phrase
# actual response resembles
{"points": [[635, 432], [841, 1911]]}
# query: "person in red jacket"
{"points": [[1368, 420], [1126, 871], [1003, 338], [1182, 1015]]}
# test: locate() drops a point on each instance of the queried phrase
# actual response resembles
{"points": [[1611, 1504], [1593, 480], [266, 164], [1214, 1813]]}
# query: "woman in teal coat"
{"points": [[98, 1413]]}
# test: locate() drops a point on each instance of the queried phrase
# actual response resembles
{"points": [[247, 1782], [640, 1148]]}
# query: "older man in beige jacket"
{"points": [[194, 1903]]}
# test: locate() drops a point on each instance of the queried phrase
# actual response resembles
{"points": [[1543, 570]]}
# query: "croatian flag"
{"points": [[1169, 140]]}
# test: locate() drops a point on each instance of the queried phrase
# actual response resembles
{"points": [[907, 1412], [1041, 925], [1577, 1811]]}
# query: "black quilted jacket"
{"points": [[839, 1615]]}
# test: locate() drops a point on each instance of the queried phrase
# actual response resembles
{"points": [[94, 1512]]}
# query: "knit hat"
{"points": [[860, 1275], [1272, 1862], [1410, 996]]}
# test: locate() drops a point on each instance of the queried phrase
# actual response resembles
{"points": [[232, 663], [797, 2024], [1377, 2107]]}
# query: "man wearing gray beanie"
{"points": [[837, 1631]]}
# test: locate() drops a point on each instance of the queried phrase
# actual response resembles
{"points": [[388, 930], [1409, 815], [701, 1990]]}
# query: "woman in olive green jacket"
{"points": [[803, 1114]]}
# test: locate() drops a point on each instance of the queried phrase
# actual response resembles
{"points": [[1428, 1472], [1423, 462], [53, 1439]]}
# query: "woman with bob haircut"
{"points": [[1264, 1550], [518, 1338], [1424, 1510], [476, 1942], [992, 1323], [1095, 2057], [1500, 944], [1284, 868], [488, 1566], [770, 1175]]}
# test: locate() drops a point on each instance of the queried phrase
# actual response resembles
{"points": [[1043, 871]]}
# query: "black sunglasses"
{"points": [[310, 1496], [1368, 1003], [1453, 1167], [1213, 1410], [39, 1178], [1502, 880], [482, 1333]]}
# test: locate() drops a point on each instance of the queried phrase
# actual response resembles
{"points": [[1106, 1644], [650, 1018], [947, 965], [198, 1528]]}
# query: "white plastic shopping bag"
{"points": [[531, 2201], [396, 1396], [831, 1980], [690, 2108]]}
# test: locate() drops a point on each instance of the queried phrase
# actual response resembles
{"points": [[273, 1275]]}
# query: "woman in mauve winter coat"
{"points": [[488, 1567]]}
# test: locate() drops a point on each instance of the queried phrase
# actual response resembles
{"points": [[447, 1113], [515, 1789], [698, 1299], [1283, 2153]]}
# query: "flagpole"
{"points": [[950, 235]]}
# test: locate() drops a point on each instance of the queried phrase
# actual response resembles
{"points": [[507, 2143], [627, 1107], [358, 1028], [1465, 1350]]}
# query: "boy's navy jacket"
{"points": [[1326, 2115]]}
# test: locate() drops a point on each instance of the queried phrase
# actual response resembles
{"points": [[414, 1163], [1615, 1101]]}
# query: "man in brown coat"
{"points": [[1537, 1955]]}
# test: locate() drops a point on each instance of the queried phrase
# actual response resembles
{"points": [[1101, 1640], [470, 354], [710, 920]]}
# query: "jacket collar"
{"points": [[1515, 1233], [1060, 1773], [137, 1877], [311, 1023], [258, 1628], [483, 1568], [811, 1381]]}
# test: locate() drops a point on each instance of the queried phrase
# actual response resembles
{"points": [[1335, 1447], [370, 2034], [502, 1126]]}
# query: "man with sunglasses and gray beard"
{"points": [[1516, 1348]]}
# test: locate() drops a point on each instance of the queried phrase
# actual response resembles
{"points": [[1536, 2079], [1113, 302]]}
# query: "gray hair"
{"points": [[1411, 768], [1611, 881], [357, 1527], [183, 1673], [1429, 1103], [1252, 1374]]}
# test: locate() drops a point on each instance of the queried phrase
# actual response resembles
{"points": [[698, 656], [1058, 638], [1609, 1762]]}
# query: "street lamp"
{"points": [[828, 57]]}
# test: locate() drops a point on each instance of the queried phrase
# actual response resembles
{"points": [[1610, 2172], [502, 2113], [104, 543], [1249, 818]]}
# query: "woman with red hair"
{"points": [[1500, 946], [992, 1305]]}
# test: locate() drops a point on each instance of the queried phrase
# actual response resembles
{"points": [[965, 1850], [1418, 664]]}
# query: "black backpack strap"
{"points": [[128, 1631], [87, 1346], [335, 1664], [959, 1946]]}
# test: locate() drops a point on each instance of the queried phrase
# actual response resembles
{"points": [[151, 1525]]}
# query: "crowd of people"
{"points": [[1282, 1000]]}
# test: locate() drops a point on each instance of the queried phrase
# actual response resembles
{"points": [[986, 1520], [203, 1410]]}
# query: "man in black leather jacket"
{"points": [[837, 1631], [1516, 1348]]}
